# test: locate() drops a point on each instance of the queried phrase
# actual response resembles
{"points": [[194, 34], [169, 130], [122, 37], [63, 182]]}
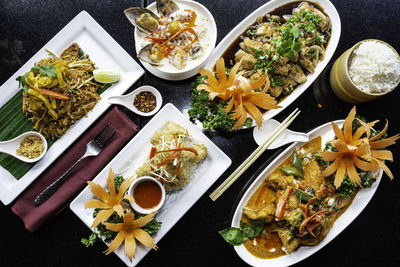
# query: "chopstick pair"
{"points": [[253, 156]]}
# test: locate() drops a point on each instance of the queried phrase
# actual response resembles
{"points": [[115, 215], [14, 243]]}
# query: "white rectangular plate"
{"points": [[106, 53], [178, 202]]}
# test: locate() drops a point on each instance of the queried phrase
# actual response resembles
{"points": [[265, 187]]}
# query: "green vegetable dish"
{"points": [[285, 44]]}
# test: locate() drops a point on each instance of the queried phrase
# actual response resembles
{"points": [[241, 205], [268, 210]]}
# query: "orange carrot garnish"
{"points": [[280, 208]]}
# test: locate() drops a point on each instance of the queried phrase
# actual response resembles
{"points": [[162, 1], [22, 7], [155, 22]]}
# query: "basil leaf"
{"points": [[47, 70], [258, 226], [233, 236], [247, 229]]}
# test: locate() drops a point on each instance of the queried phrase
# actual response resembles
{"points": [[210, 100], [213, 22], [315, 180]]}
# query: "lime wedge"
{"points": [[106, 75]]}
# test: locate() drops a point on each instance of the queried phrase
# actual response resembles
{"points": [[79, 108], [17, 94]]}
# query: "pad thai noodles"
{"points": [[59, 90]]}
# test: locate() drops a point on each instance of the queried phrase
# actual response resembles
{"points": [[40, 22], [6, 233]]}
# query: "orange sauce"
{"points": [[191, 22], [147, 194]]}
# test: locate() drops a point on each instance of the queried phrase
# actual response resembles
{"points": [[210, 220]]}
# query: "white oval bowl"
{"points": [[359, 203], [328, 8], [135, 206], [168, 71]]}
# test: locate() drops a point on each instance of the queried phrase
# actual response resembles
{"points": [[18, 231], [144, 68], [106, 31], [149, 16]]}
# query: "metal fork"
{"points": [[93, 148]]}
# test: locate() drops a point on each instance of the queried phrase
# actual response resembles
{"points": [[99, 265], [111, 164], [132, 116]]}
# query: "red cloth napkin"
{"points": [[34, 217]]}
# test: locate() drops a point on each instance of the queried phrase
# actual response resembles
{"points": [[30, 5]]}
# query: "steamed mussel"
{"points": [[151, 53], [142, 18], [166, 7], [173, 37]]}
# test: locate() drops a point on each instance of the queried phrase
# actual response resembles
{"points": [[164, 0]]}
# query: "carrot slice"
{"points": [[280, 207]]}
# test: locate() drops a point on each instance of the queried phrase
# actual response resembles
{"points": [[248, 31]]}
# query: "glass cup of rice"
{"points": [[371, 68]]}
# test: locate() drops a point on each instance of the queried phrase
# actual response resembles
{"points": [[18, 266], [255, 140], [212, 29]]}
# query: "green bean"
{"points": [[296, 162], [303, 196], [289, 170]]}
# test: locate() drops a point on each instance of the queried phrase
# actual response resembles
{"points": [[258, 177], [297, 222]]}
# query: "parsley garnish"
{"points": [[288, 44]]}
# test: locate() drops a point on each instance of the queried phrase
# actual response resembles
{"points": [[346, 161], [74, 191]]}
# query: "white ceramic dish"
{"points": [[168, 71], [10, 146], [360, 201], [328, 8], [138, 208], [177, 203], [127, 100], [105, 52]]}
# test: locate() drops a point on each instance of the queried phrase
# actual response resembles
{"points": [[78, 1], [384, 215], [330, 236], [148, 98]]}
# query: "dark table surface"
{"points": [[372, 239]]}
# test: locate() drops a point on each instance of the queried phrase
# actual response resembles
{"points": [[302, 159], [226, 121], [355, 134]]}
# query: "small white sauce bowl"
{"points": [[135, 206], [168, 71], [10, 146], [127, 100]]}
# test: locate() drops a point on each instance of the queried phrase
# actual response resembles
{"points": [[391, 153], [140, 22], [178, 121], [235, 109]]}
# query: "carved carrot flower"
{"points": [[247, 101], [240, 90], [108, 202], [128, 231], [353, 151]]}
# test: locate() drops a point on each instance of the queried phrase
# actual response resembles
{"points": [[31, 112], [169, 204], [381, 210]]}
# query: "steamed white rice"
{"points": [[374, 67]]}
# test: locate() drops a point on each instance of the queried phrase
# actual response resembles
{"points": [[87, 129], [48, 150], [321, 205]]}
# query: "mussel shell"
{"points": [[196, 47], [134, 13], [144, 55], [166, 7]]}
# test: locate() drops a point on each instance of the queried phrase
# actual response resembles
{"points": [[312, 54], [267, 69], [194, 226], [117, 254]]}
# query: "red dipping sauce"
{"points": [[147, 194]]}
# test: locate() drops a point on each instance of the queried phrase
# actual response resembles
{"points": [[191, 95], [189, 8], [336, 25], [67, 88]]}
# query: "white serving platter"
{"points": [[106, 53], [327, 7], [177, 203], [359, 203], [168, 71]]}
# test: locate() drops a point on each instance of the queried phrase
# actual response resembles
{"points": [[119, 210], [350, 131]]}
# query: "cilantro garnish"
{"points": [[47, 70]]}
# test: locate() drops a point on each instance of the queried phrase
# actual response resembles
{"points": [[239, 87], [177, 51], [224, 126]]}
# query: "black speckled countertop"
{"points": [[371, 240]]}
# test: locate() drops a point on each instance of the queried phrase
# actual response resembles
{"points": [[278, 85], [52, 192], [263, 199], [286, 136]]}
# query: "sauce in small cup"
{"points": [[148, 194]]}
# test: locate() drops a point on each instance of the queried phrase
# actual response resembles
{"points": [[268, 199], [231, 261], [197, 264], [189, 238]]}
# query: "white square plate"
{"points": [[106, 53], [177, 202]]}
